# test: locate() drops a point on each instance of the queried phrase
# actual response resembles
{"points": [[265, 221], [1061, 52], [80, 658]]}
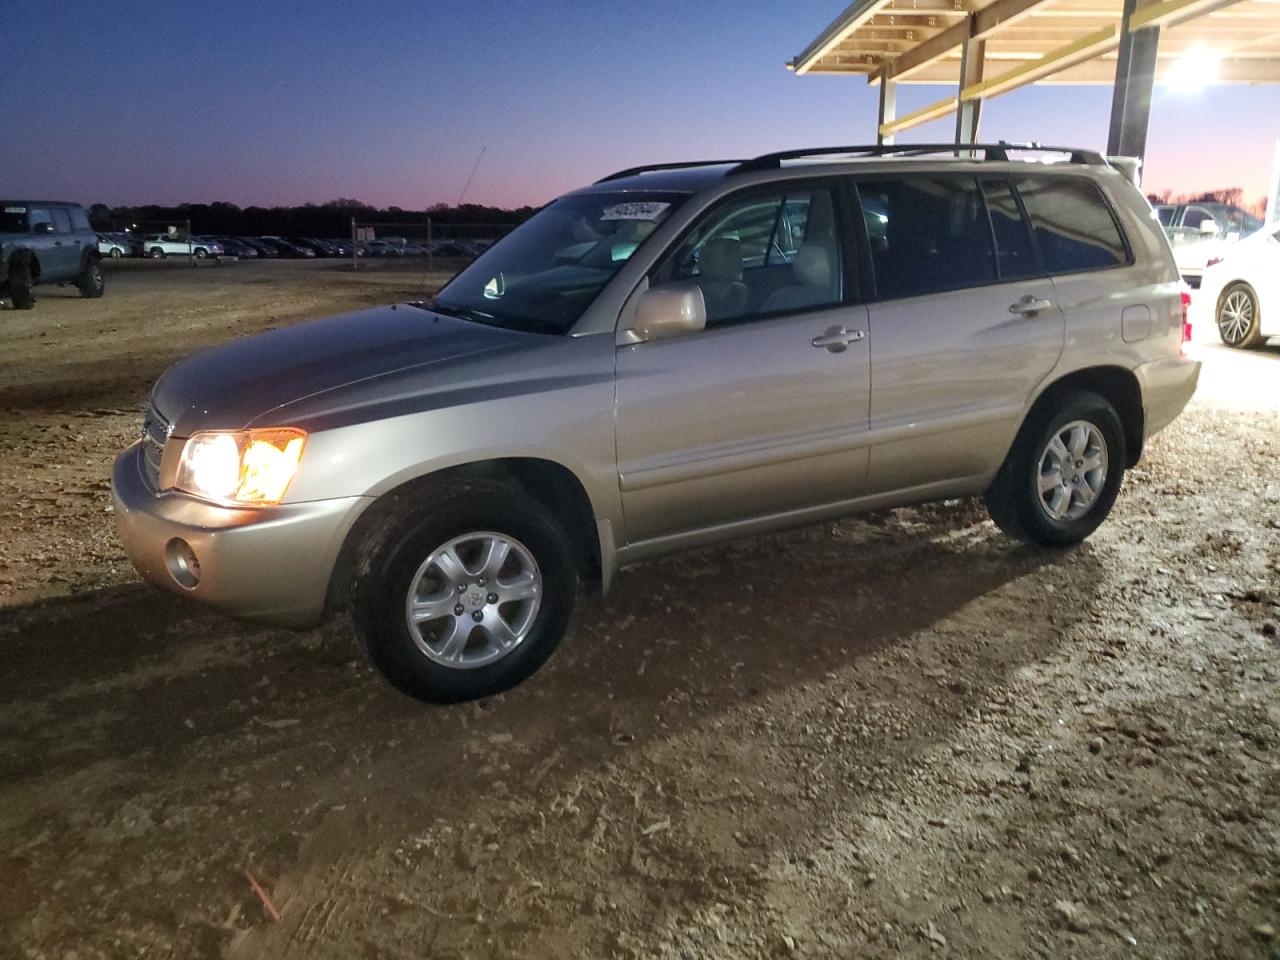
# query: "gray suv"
{"points": [[671, 357], [44, 242]]}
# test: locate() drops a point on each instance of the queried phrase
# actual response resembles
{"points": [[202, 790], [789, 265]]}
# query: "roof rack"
{"points": [[655, 167], [773, 161], [989, 151]]}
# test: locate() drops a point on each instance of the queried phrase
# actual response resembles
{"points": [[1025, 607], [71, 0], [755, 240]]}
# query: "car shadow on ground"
{"points": [[267, 745], [713, 626]]}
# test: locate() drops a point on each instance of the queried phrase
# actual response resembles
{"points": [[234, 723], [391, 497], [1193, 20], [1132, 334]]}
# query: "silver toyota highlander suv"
{"points": [[676, 355]]}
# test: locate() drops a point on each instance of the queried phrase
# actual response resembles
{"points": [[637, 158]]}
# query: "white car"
{"points": [[1201, 232], [159, 245], [1240, 289], [110, 247]]}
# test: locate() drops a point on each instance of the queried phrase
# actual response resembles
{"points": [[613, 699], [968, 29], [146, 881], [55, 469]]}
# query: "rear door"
{"points": [[964, 325], [1111, 301], [765, 411]]}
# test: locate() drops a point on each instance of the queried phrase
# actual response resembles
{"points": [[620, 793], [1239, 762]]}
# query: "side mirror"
{"points": [[42, 228], [1209, 228], [669, 310]]}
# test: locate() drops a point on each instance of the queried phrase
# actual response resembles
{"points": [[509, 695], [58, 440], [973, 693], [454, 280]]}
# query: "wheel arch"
{"points": [[551, 484], [1117, 385], [27, 256]]}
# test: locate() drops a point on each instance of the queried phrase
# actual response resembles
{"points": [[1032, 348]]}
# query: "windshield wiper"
{"points": [[462, 313]]}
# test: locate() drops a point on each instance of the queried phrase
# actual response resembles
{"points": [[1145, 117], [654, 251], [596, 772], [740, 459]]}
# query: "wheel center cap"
{"points": [[474, 598]]}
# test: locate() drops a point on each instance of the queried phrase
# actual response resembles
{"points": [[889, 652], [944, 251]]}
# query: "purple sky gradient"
{"points": [[289, 102]]}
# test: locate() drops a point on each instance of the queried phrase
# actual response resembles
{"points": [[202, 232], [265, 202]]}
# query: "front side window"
{"points": [[1073, 225], [1195, 217], [763, 254], [37, 215], [927, 234], [13, 219], [542, 277], [61, 222]]}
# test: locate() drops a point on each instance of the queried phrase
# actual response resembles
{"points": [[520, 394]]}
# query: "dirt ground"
{"points": [[895, 736]]}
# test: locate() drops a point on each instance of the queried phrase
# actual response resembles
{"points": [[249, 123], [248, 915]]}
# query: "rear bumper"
{"points": [[270, 564], [1167, 386]]}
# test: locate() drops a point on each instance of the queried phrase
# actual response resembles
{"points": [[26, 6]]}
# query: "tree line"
{"points": [[1232, 196], [332, 219]]}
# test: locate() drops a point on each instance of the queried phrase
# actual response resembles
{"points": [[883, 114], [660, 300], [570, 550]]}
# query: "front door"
{"points": [[765, 411]]}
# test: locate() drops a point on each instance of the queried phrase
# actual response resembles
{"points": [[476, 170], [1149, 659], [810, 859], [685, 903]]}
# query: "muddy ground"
{"points": [[895, 736]]}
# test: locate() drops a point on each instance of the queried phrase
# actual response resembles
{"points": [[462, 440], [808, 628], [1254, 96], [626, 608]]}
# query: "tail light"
{"points": [[1186, 320]]}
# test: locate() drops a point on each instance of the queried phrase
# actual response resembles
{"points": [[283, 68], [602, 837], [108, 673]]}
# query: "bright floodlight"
{"points": [[1195, 69]]}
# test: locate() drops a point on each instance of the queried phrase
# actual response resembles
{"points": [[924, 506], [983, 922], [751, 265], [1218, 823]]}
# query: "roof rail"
{"points": [[655, 167], [989, 151]]}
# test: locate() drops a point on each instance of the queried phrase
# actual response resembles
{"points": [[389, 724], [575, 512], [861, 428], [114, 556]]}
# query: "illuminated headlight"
{"points": [[247, 466]]}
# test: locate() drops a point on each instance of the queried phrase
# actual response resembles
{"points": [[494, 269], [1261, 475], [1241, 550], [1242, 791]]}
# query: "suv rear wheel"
{"points": [[90, 282], [1239, 319], [1063, 474], [468, 598], [156, 253]]}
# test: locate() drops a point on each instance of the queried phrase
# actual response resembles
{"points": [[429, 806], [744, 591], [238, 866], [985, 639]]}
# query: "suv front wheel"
{"points": [[468, 598], [1063, 474]]}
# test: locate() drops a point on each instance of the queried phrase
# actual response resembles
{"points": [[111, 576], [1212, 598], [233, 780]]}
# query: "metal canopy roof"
{"points": [[1038, 41]]}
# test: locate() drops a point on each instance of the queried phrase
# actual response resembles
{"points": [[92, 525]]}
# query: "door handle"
{"points": [[1029, 306], [837, 339]]}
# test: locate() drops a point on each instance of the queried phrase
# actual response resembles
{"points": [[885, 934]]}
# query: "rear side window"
{"points": [[927, 235], [1015, 256], [1073, 224]]}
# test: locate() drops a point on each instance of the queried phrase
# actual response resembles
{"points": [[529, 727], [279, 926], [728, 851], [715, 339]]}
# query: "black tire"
{"points": [[400, 544], [201, 253], [1239, 316], [21, 284], [156, 253], [90, 282], [1014, 499], [116, 253]]}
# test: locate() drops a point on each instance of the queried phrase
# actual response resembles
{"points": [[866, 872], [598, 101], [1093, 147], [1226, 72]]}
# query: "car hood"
{"points": [[242, 382]]}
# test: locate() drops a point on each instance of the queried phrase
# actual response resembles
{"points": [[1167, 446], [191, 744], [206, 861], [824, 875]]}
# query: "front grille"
{"points": [[155, 432]]}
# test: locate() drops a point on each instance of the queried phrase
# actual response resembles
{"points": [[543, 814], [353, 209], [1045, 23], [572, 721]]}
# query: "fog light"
{"points": [[182, 562]]}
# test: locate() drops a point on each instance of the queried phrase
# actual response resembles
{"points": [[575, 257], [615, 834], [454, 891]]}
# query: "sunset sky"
{"points": [[391, 102]]}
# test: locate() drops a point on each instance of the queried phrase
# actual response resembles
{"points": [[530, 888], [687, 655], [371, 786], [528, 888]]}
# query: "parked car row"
{"points": [[158, 246]]}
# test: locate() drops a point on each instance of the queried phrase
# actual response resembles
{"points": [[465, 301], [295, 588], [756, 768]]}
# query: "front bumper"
{"points": [[271, 564], [1167, 386]]}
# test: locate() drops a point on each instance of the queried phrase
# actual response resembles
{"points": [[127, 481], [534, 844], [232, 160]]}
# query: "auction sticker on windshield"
{"points": [[635, 210]]}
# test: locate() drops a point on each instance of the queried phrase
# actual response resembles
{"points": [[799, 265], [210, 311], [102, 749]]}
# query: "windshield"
{"points": [[542, 277], [13, 219]]}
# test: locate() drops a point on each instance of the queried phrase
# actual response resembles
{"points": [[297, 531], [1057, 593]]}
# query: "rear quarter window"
{"points": [[1073, 224], [79, 220]]}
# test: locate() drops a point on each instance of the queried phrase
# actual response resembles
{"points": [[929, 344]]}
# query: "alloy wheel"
{"points": [[1235, 317], [473, 600], [1073, 471]]}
